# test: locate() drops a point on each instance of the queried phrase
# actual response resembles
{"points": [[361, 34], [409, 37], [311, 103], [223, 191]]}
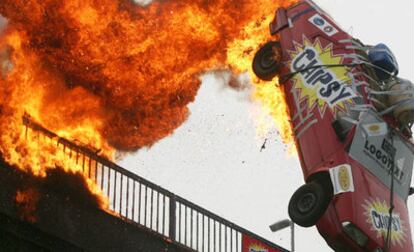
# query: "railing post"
{"points": [[173, 205]]}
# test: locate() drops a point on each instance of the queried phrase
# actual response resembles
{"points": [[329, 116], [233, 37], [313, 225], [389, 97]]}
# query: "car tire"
{"points": [[266, 61], [308, 204]]}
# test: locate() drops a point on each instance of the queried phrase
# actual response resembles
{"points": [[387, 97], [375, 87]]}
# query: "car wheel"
{"points": [[308, 204], [267, 60]]}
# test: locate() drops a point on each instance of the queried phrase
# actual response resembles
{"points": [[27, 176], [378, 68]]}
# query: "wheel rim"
{"points": [[306, 203], [267, 60]]}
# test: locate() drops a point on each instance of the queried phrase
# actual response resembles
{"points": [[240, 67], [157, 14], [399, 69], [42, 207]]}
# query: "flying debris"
{"points": [[351, 116], [263, 145]]}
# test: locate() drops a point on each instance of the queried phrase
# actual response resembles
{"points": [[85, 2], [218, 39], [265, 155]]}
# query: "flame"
{"points": [[26, 200], [268, 94], [118, 76], [272, 99]]}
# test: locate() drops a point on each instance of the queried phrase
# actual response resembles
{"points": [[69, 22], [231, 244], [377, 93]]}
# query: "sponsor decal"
{"points": [[321, 85], [383, 156], [377, 213], [249, 244], [328, 29], [318, 21], [376, 129], [257, 248], [389, 148], [341, 177]]}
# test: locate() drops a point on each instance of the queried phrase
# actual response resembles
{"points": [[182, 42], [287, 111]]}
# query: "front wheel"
{"points": [[267, 60], [308, 204]]}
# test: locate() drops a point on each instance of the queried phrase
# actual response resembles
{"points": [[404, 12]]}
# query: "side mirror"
{"points": [[411, 191]]}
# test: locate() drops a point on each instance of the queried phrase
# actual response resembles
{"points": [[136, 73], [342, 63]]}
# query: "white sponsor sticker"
{"points": [[342, 180], [375, 129], [323, 25]]}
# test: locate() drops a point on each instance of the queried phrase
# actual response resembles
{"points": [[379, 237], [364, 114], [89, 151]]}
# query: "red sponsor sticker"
{"points": [[250, 244]]}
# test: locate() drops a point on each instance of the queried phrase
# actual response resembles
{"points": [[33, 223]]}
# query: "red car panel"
{"points": [[316, 100]]}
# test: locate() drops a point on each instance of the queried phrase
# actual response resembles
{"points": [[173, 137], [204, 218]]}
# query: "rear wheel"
{"points": [[267, 60], [308, 204]]}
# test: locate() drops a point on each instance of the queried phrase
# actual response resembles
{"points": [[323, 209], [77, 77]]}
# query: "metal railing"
{"points": [[142, 202]]}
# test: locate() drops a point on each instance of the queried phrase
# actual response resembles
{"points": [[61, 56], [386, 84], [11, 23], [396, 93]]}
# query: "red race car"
{"points": [[352, 117]]}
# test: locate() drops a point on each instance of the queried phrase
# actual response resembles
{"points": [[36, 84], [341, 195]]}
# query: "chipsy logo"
{"points": [[319, 77], [257, 248], [377, 214], [250, 244]]}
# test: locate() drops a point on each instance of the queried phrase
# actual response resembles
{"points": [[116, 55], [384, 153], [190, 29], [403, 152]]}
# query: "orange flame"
{"points": [[240, 55], [272, 98], [116, 75], [26, 200]]}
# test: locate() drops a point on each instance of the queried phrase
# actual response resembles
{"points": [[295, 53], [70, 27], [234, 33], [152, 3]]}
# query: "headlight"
{"points": [[355, 233]]}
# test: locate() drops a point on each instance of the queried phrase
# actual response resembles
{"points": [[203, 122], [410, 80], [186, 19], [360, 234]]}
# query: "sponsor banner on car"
{"points": [[341, 177], [383, 154], [322, 24], [377, 213], [249, 244]]}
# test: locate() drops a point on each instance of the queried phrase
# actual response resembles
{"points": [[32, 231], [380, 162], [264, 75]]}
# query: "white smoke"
{"points": [[3, 23], [142, 2], [5, 63]]}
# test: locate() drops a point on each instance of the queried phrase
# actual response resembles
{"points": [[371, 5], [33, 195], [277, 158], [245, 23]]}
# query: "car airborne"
{"points": [[352, 117]]}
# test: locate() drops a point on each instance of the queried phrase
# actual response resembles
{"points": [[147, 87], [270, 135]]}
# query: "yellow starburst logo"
{"points": [[377, 214], [320, 76]]}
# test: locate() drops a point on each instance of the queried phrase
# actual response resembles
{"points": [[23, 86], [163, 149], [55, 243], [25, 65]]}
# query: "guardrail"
{"points": [[142, 202]]}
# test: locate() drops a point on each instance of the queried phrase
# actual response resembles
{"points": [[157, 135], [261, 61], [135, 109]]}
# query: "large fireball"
{"points": [[115, 75]]}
